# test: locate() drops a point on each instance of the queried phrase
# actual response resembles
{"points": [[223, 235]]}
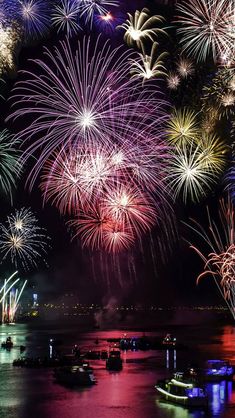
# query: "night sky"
{"points": [[171, 281]]}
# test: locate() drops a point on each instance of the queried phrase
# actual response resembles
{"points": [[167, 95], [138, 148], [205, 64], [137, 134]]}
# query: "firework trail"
{"points": [[9, 162], [219, 259]]}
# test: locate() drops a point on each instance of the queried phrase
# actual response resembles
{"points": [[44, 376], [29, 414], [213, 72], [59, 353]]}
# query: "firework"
{"points": [[98, 230], [183, 127], [231, 83], [209, 120], [219, 95], [219, 260], [9, 37], [92, 8], [34, 15], [65, 17], [125, 183], [141, 27], [206, 27], [108, 22], [88, 98], [213, 153], [113, 191], [149, 66], [4, 291], [190, 173], [10, 298], [22, 239], [131, 208], [173, 81], [228, 100], [9, 158], [185, 67], [22, 220], [75, 176]]}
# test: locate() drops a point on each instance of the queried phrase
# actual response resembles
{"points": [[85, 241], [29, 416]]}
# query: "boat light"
{"points": [[170, 394], [182, 384]]}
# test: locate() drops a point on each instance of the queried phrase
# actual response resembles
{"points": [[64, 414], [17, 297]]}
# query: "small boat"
{"points": [[114, 361], [181, 391], [217, 370], [92, 355], [8, 344], [81, 375], [169, 341], [104, 355]]}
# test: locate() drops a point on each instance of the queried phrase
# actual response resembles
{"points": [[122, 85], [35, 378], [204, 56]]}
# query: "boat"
{"points": [[92, 355], [104, 355], [217, 370], [114, 361], [169, 341], [180, 390], [8, 344], [81, 375]]}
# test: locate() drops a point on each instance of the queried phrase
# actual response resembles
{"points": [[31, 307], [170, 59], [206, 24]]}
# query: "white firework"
{"points": [[90, 8], [207, 28], [65, 17]]}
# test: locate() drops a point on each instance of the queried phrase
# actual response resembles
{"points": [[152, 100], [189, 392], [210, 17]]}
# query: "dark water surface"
{"points": [[32, 393]]}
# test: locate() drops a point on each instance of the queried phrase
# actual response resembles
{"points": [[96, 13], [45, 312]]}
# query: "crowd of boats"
{"points": [[183, 387]]}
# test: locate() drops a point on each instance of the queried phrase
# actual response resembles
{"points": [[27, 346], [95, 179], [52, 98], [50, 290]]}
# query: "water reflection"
{"points": [[175, 411], [219, 395], [128, 394], [171, 359]]}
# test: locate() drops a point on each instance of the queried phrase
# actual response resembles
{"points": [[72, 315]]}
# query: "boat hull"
{"points": [[196, 402]]}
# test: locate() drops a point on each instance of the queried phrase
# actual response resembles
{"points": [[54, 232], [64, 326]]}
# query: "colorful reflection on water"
{"points": [[26, 393]]}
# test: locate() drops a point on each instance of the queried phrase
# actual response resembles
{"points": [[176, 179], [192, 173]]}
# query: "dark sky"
{"points": [[144, 278]]}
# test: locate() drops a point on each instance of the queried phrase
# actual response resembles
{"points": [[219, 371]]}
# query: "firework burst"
{"points": [[87, 98], [34, 15], [9, 162], [173, 81], [206, 27], [9, 38], [183, 127], [185, 67], [140, 27], [219, 260], [149, 66], [22, 240], [194, 170], [219, 95], [65, 17], [89, 9], [122, 186]]}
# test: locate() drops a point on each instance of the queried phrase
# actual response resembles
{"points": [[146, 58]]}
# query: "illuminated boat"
{"points": [[169, 341], [217, 370], [180, 391], [114, 361], [75, 375]]}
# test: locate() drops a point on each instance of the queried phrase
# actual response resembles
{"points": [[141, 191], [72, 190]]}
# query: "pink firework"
{"points": [[219, 237], [98, 230], [131, 208]]}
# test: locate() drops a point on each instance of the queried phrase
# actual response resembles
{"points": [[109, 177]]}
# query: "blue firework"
{"points": [[34, 17]]}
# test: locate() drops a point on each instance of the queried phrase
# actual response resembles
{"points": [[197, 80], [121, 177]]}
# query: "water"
{"points": [[27, 393]]}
